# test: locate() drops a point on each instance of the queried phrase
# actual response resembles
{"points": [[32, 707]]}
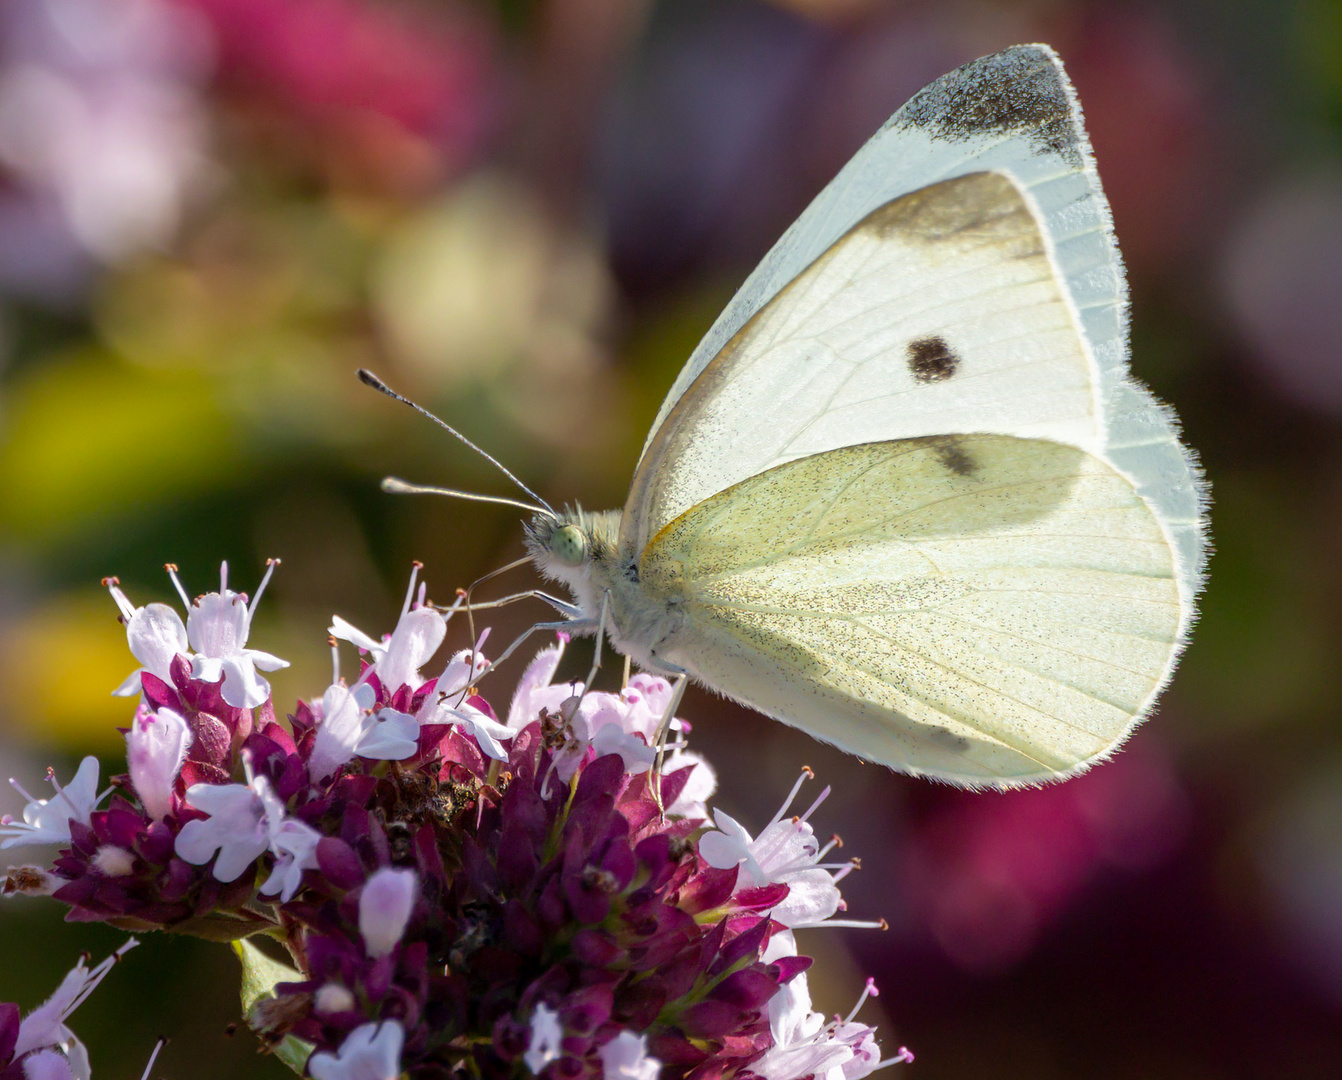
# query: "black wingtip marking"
{"points": [[1020, 91], [931, 359]]}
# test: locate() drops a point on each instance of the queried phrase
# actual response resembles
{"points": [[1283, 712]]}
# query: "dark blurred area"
{"points": [[524, 214]]}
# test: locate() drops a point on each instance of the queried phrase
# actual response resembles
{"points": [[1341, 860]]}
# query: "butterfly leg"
{"points": [[596, 653], [566, 626], [663, 730], [572, 611]]}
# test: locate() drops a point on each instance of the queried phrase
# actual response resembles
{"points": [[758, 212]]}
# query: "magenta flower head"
{"points": [[458, 894]]}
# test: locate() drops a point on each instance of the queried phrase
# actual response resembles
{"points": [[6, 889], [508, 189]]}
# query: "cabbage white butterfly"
{"points": [[905, 494]]}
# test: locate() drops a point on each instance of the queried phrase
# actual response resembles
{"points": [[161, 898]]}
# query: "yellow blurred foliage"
{"points": [[62, 661], [86, 439]]}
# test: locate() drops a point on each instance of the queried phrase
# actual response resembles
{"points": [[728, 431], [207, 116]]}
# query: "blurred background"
{"points": [[524, 213]]}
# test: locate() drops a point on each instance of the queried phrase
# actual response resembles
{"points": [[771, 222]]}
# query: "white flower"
{"points": [[625, 1057], [699, 786], [369, 1052], [799, 1046], [245, 821], [236, 828], [536, 693], [384, 909], [389, 735], [294, 845], [156, 635], [156, 747], [44, 1028], [292, 842], [804, 1044], [634, 751], [217, 625], [786, 851], [625, 723], [463, 669], [398, 658], [347, 727], [546, 1036], [339, 727], [47, 821], [488, 733], [445, 704]]}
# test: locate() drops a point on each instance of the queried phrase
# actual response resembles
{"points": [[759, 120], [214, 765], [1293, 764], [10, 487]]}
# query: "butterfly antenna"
{"points": [[401, 487]]}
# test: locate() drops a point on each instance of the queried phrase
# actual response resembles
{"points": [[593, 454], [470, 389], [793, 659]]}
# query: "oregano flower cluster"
{"points": [[420, 884]]}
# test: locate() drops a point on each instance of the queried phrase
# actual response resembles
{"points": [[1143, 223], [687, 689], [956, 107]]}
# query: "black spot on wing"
{"points": [[952, 453], [1019, 92], [931, 360]]}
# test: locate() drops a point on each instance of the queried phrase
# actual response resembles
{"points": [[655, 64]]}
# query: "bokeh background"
{"points": [[524, 213]]}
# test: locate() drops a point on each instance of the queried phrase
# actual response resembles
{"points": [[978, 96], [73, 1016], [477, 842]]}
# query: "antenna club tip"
{"points": [[369, 379]]}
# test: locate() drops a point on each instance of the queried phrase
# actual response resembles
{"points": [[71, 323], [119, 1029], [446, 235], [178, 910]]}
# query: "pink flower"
{"points": [[625, 724], [156, 747], [384, 909]]}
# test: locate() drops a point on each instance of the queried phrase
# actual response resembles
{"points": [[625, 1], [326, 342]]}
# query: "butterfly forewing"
{"points": [[939, 312], [982, 608], [1012, 113]]}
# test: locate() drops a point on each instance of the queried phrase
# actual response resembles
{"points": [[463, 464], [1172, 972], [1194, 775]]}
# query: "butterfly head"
{"points": [[570, 545]]}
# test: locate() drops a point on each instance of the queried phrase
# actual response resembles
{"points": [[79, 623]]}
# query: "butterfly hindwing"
{"points": [[983, 608]]}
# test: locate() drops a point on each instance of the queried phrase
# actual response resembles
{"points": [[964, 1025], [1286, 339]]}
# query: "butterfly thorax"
{"points": [[582, 550]]}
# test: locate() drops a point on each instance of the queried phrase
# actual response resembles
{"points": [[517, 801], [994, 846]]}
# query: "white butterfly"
{"points": [[905, 495]]}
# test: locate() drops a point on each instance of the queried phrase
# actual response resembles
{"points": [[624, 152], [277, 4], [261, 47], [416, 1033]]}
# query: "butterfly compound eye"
{"points": [[569, 545]]}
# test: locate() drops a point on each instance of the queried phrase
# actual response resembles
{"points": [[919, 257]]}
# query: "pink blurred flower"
{"points": [[1280, 280], [988, 872], [101, 132], [340, 61]]}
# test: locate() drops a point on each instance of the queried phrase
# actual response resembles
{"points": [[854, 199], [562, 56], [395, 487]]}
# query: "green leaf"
{"points": [[260, 973]]}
